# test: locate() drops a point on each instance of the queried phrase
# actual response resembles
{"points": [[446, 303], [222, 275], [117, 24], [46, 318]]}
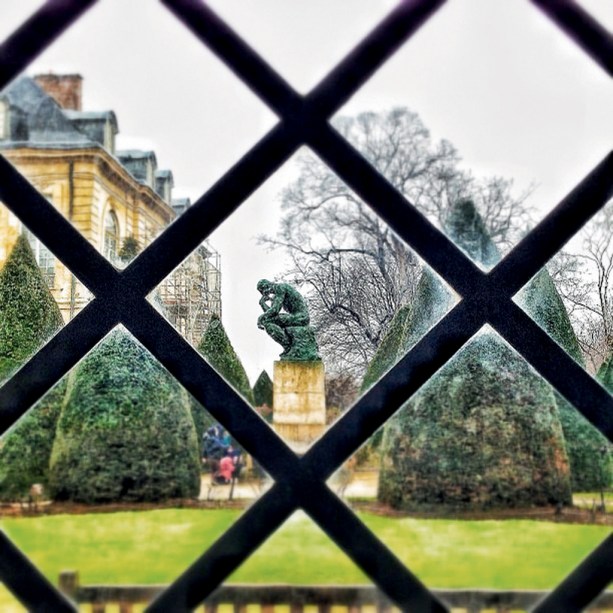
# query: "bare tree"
{"points": [[584, 278], [356, 272]]}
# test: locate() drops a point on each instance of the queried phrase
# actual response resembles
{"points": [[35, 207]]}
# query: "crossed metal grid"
{"points": [[120, 298]]}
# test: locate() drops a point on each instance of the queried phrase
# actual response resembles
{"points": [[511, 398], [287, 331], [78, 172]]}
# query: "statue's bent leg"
{"points": [[278, 334], [293, 319]]}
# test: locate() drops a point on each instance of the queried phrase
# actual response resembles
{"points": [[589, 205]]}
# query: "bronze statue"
{"points": [[286, 320]]}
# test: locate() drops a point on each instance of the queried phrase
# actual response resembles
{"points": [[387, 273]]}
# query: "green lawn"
{"points": [[155, 546]]}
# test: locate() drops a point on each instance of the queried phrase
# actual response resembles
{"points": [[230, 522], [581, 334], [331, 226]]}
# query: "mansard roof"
{"points": [[45, 120]]}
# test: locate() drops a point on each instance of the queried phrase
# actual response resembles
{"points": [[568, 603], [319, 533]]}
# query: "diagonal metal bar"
{"points": [[487, 291], [365, 549], [242, 60], [227, 553], [556, 229], [584, 584], [582, 28], [36, 34], [555, 365], [54, 230], [218, 397], [27, 583], [327, 97], [188, 231], [380, 402], [441, 254], [369, 55], [52, 362]]}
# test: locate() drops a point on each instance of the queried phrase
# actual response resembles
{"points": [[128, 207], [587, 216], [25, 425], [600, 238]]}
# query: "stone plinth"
{"points": [[299, 401]]}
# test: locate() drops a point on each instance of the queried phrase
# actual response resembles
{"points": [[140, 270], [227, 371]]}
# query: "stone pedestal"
{"points": [[299, 401]]}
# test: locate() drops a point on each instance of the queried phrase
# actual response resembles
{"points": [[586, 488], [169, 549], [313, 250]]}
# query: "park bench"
{"points": [[302, 598]]}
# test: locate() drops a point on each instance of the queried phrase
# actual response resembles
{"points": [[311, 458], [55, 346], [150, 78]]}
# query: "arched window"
{"points": [[111, 236]]}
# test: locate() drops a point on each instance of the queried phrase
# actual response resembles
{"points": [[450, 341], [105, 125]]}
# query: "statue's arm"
{"points": [[264, 302], [277, 302]]}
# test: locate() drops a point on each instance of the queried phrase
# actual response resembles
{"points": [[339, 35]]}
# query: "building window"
{"points": [[111, 236], [44, 257]]}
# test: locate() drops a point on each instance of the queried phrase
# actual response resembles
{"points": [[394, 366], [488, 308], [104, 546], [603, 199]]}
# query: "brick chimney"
{"points": [[65, 89]]}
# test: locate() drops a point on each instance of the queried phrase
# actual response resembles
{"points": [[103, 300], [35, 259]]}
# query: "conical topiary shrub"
{"points": [[263, 396], [29, 316], [125, 432], [434, 299], [584, 442], [219, 353], [484, 432]]}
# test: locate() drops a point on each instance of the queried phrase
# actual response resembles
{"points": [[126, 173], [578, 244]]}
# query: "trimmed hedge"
{"points": [[484, 432], [26, 449], [263, 392], [125, 432], [29, 316], [410, 323], [584, 442], [219, 353]]}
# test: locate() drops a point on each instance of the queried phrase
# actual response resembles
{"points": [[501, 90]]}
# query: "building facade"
{"points": [[119, 200]]}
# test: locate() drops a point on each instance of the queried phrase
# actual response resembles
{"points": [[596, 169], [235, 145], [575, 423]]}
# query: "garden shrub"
{"points": [[129, 249], [203, 420], [584, 442], [484, 432], [219, 353], [263, 396], [391, 348], [29, 316], [125, 432]]}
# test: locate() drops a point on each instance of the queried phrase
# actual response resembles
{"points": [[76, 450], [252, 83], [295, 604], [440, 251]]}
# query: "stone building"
{"points": [[69, 155]]}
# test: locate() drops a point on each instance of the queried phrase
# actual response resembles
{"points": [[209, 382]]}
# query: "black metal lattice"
{"points": [[120, 298]]}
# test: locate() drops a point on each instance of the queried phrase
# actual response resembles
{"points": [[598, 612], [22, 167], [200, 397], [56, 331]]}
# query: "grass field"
{"points": [[155, 546]]}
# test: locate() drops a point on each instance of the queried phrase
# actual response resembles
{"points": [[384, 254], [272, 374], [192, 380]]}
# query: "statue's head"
{"points": [[264, 286]]}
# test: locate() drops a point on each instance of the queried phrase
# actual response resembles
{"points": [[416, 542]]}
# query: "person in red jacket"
{"points": [[226, 468]]}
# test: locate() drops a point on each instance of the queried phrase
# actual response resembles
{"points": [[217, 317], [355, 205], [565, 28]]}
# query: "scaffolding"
{"points": [[191, 294]]}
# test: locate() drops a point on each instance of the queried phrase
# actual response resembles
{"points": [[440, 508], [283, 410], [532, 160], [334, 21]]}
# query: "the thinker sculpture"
{"points": [[286, 320]]}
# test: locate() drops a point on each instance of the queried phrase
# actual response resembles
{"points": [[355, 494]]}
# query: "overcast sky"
{"points": [[495, 77]]}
